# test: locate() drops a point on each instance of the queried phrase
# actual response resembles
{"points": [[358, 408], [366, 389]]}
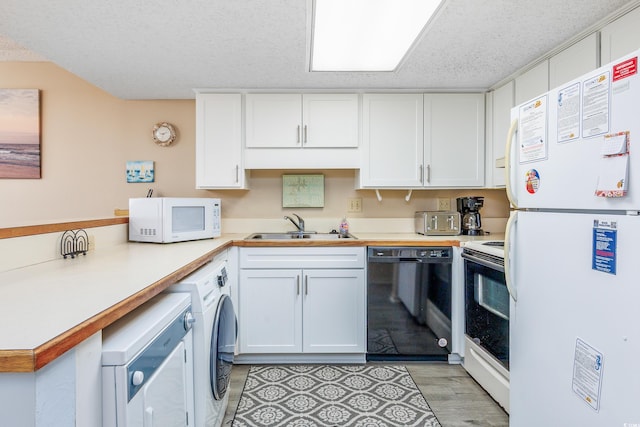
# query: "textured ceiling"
{"points": [[163, 49]]}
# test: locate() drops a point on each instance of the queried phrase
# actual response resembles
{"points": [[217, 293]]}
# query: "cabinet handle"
{"points": [[421, 169], [298, 284], [428, 173], [305, 134], [237, 173], [306, 285], [298, 135]]}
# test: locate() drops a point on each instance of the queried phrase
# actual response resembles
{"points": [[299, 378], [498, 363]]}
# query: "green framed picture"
{"points": [[302, 191]]}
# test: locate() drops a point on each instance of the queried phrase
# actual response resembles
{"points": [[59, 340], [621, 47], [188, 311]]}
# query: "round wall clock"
{"points": [[164, 134]]}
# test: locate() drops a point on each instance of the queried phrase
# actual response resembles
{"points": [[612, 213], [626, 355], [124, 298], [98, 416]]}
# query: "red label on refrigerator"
{"points": [[625, 69]]}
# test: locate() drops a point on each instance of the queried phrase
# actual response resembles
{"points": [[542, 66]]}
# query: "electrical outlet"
{"points": [[354, 205], [92, 242], [444, 204]]}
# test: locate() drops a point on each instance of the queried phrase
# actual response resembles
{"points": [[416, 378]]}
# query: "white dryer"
{"points": [[147, 365], [214, 340]]}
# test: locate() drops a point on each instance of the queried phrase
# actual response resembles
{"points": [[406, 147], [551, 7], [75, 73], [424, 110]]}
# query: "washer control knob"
{"points": [[137, 378], [189, 320]]}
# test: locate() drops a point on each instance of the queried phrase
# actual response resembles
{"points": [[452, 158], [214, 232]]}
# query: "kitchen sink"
{"points": [[296, 235]]}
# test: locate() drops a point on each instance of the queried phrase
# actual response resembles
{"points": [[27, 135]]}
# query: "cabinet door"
{"points": [[532, 83], [392, 140], [454, 140], [219, 141], [334, 311], [500, 123], [620, 37], [273, 120], [270, 311], [577, 59], [330, 120]]}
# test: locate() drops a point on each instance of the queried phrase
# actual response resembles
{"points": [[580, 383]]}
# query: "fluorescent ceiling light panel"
{"points": [[366, 35]]}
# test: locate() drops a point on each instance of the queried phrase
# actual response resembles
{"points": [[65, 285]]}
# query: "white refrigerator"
{"points": [[573, 252]]}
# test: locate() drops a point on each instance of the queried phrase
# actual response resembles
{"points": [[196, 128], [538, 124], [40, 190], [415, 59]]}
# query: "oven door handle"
{"points": [[482, 262]]}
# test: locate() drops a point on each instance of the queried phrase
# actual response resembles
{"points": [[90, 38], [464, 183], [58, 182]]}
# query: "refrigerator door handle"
{"points": [[513, 218], [507, 163]]}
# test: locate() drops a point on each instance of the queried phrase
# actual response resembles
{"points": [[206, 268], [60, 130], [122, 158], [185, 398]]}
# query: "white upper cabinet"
{"points": [[291, 131], [574, 61], [274, 120], [620, 37], [393, 142], [219, 141], [501, 104], [532, 83], [422, 141], [330, 120], [297, 121], [454, 140]]}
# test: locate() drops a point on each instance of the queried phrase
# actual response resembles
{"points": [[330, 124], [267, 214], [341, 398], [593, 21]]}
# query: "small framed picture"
{"points": [[140, 171], [302, 191]]}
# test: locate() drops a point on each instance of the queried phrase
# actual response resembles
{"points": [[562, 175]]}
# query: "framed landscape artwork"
{"points": [[140, 171], [19, 133]]}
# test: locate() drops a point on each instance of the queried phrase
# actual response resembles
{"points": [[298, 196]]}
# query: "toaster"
{"points": [[438, 223]]}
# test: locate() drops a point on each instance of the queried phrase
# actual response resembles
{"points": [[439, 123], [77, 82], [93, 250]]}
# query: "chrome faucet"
{"points": [[299, 225]]}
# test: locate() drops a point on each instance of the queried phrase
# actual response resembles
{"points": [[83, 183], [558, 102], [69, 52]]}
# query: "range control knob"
{"points": [[137, 378], [442, 342]]}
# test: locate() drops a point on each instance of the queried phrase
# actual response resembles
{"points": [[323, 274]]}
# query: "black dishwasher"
{"points": [[409, 303]]}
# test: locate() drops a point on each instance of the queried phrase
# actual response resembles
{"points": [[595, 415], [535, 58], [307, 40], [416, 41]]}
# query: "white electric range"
{"points": [[487, 301]]}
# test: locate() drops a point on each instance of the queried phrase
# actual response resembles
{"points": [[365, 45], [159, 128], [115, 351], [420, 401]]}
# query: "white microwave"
{"points": [[173, 219]]}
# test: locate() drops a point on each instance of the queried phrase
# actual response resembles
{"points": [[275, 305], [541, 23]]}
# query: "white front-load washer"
{"points": [[214, 340]]}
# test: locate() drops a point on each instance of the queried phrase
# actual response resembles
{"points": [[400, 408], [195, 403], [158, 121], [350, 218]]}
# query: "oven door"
{"points": [[487, 307]]}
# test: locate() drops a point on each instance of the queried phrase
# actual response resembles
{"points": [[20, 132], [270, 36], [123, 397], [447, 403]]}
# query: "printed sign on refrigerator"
{"points": [[587, 374], [605, 237], [596, 105], [569, 113], [532, 134]]}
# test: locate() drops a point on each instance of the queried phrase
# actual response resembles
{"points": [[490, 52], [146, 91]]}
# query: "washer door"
{"points": [[223, 344]]}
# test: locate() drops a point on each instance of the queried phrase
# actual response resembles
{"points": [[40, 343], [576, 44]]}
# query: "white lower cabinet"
{"points": [[317, 309]]}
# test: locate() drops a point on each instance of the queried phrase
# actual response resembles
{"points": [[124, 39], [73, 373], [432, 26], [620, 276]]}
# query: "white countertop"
{"points": [[44, 301]]}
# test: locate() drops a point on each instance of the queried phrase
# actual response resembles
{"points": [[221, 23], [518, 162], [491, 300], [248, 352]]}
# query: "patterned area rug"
{"points": [[323, 396]]}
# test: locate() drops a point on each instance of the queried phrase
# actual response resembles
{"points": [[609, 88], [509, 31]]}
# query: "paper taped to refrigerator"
{"points": [[612, 176], [614, 144], [587, 374]]}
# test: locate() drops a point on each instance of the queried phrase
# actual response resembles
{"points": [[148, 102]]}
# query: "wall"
{"points": [[88, 135]]}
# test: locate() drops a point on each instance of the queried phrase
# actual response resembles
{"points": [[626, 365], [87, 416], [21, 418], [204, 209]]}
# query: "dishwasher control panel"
{"points": [[400, 254]]}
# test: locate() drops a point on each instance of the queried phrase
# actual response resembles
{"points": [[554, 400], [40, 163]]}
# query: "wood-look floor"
{"points": [[455, 398]]}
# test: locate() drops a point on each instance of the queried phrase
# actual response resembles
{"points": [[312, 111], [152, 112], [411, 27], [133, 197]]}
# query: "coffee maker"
{"points": [[469, 208]]}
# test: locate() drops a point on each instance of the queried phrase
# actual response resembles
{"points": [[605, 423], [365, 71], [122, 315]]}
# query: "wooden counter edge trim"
{"points": [[344, 243], [17, 360], [32, 360], [30, 230]]}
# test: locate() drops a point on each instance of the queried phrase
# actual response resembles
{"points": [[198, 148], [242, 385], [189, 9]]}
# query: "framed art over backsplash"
{"points": [[302, 191], [20, 133]]}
